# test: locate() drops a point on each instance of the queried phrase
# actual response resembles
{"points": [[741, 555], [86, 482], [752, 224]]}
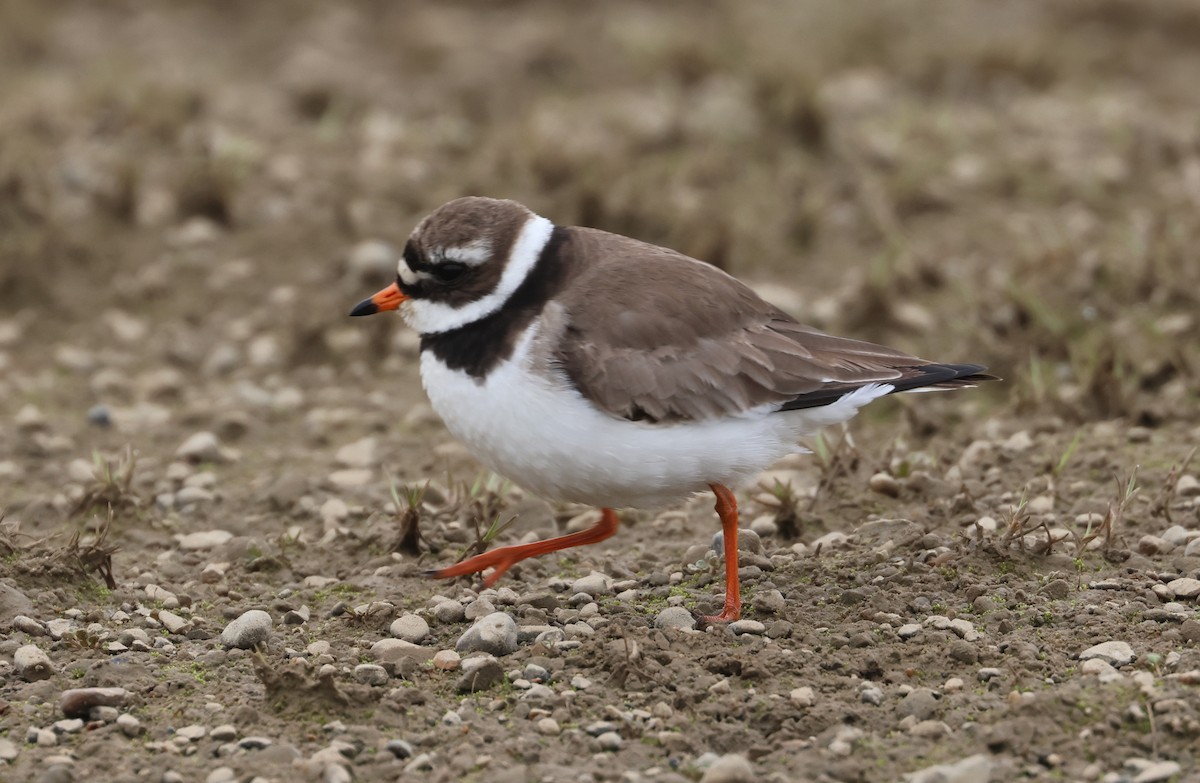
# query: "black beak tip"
{"points": [[365, 307]]}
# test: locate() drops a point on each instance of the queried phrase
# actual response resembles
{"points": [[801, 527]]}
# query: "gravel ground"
{"points": [[218, 495]]}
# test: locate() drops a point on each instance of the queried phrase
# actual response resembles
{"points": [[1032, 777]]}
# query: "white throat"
{"points": [[433, 317]]}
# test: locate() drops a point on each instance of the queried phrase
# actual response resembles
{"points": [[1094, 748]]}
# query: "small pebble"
{"points": [[675, 617], [410, 628], [731, 768], [32, 664], [884, 484], [129, 725], [1116, 653], [371, 674], [247, 631], [739, 627], [610, 741], [804, 696], [495, 634]]}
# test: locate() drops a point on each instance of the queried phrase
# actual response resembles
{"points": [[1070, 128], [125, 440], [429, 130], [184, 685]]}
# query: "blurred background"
{"points": [[207, 187]]}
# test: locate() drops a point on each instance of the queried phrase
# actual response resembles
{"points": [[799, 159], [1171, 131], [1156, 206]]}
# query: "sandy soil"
{"points": [[193, 195]]}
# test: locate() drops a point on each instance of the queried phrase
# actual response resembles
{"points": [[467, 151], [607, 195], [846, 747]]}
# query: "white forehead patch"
{"points": [[473, 253], [405, 273]]}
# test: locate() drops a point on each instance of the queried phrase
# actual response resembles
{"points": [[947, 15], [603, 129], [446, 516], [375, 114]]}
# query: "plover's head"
{"points": [[462, 263]]}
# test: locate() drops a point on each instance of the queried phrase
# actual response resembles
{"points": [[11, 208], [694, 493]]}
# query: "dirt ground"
{"points": [[193, 195]]}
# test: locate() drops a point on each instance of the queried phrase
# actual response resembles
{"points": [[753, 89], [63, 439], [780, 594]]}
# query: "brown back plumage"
{"points": [[653, 335]]}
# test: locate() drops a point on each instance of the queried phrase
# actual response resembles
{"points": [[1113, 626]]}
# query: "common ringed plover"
{"points": [[593, 368]]}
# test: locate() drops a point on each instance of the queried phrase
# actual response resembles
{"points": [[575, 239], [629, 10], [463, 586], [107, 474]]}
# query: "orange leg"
{"points": [[505, 557], [728, 512]]}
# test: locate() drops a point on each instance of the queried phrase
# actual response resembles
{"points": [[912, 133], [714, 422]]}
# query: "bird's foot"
{"points": [[500, 559], [731, 612]]}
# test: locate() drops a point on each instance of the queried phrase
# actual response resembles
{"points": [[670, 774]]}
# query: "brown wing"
{"points": [[653, 335]]}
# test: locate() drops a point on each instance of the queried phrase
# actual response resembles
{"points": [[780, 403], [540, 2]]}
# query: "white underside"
{"points": [[542, 434]]}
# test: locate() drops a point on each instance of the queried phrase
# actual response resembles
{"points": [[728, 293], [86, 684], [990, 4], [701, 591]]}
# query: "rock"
{"points": [[478, 609], [495, 634], [298, 616], [392, 650], [929, 729], [675, 617], [1057, 589], [207, 539], [446, 660], [201, 447], [334, 511], [226, 732], [30, 419], [28, 625], [1153, 545], [1188, 486], [765, 526], [1101, 668], [961, 627], [770, 601], [884, 484], [59, 627], [1156, 771], [8, 751], [12, 603], [549, 727], [908, 631], [162, 595], [172, 622], [191, 733], [972, 769], [363, 453], [731, 768], [594, 584], [410, 628], [78, 702], [1116, 653], [129, 725], [479, 674], [247, 631], [739, 627], [610, 741], [449, 612], [399, 748], [1185, 587], [255, 743], [1193, 548], [834, 539], [1018, 442], [804, 696], [32, 664], [350, 478], [921, 703], [371, 674]]}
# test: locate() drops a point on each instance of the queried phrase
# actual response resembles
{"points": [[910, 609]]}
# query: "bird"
{"points": [[593, 368]]}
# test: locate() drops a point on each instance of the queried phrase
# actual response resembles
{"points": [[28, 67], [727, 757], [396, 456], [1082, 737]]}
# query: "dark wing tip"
{"points": [[920, 376]]}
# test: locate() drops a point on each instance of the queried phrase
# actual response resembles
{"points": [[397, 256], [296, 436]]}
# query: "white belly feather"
{"points": [[542, 434]]}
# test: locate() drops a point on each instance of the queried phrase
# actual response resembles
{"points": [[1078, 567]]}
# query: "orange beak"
{"points": [[388, 299]]}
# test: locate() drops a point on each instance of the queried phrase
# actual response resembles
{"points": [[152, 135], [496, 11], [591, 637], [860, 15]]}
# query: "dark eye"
{"points": [[448, 271]]}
